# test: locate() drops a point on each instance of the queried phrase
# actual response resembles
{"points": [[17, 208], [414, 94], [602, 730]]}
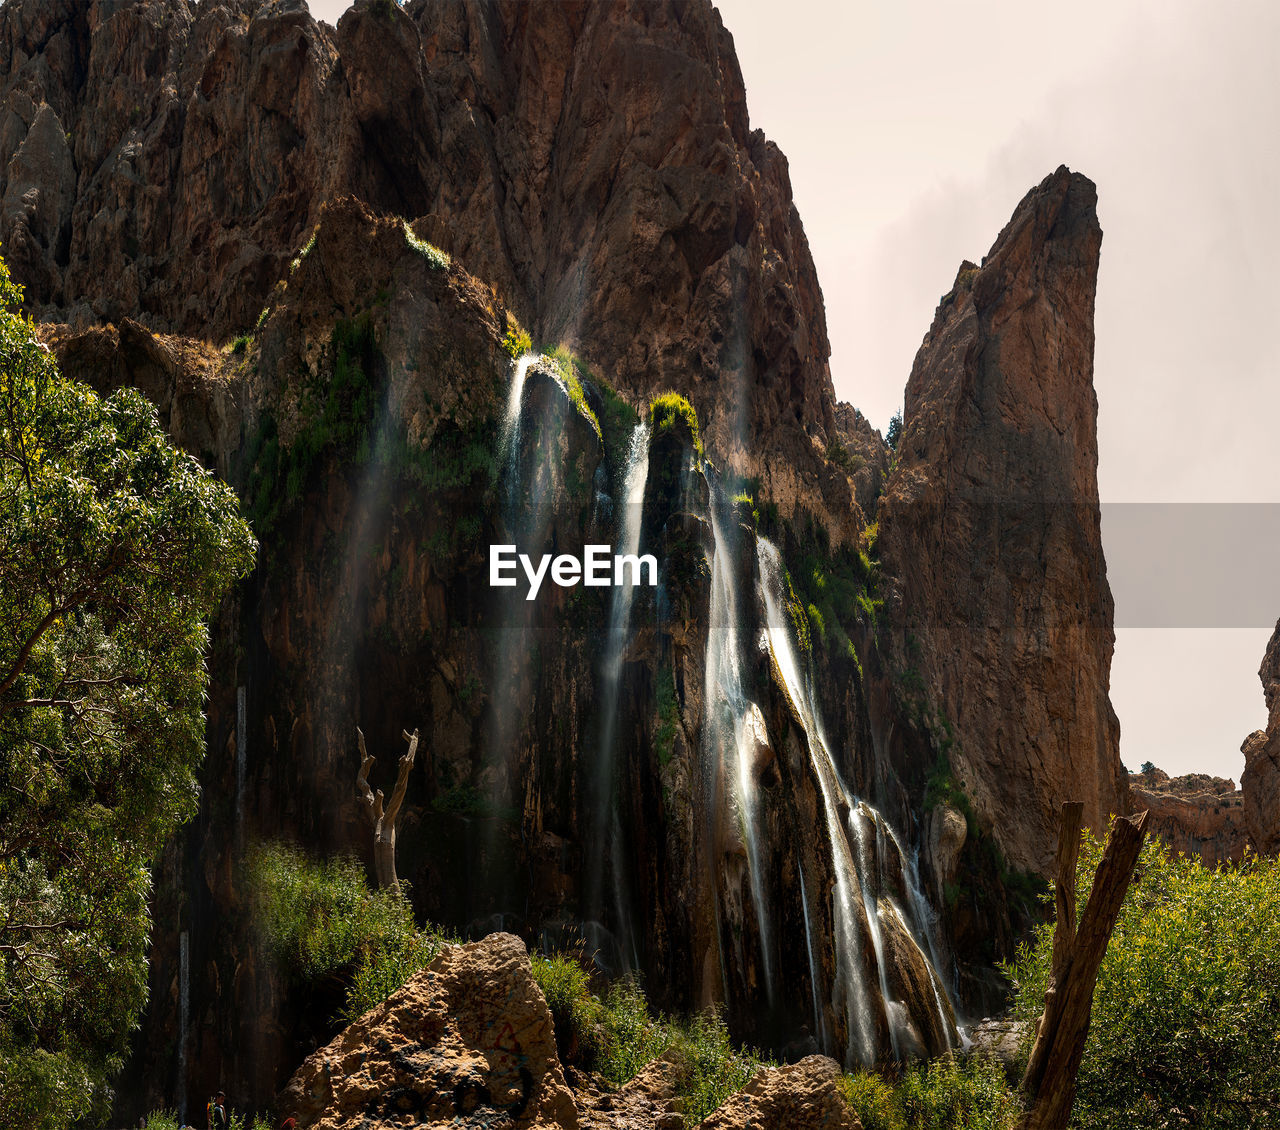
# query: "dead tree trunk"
{"points": [[384, 822], [1049, 1084]]}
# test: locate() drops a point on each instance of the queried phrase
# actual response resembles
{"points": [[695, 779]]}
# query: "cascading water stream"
{"points": [[509, 442], [923, 921], [851, 988], [819, 1018], [729, 719], [630, 511]]}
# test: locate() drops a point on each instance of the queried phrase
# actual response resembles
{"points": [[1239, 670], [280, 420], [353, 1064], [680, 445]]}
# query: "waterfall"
{"points": [[850, 990], [509, 442], [184, 1021], [819, 1017], [732, 723], [242, 727], [630, 511], [845, 837]]}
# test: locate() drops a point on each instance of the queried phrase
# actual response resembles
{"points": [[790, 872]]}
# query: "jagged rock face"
{"points": [[166, 160], [989, 529], [470, 1036], [802, 1096], [1260, 781], [1195, 815]]}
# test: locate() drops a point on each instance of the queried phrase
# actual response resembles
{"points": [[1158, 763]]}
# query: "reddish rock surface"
{"points": [[989, 530], [1260, 781], [165, 161], [470, 1037], [802, 1096], [1196, 815]]}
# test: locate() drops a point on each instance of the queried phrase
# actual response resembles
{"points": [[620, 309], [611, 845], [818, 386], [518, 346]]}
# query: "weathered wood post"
{"points": [[1049, 1084], [384, 822]]}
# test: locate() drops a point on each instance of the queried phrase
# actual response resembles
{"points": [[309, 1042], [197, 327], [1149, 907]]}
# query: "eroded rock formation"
{"points": [[989, 528], [471, 1033], [594, 163], [1196, 815], [1260, 781]]}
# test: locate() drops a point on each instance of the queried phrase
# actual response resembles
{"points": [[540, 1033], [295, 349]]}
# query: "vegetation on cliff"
{"points": [[115, 548], [321, 921]]}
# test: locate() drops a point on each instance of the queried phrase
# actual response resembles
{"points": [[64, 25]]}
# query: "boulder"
{"points": [[467, 1041], [801, 1096]]}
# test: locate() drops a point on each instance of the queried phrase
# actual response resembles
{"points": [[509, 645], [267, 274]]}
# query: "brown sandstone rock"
{"points": [[989, 530], [470, 1037], [1260, 781], [164, 161], [801, 1096], [1196, 815]]}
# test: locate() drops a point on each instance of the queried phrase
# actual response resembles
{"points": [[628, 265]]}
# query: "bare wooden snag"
{"points": [[384, 822], [1049, 1084]]}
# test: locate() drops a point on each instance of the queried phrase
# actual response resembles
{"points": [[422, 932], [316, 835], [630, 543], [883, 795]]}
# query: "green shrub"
{"points": [[668, 409], [240, 344], [572, 373], [620, 1035], [713, 1069], [576, 1013], [1185, 1027], [633, 1037], [945, 1094], [516, 342], [873, 1100], [319, 919], [842, 457]]}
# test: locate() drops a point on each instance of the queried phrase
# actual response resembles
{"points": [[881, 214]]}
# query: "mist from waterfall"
{"points": [[731, 721], [605, 825]]}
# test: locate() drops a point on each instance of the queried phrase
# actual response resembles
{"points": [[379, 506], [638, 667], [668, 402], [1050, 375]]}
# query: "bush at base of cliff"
{"points": [[1185, 1029], [619, 1035], [320, 920], [943, 1095]]}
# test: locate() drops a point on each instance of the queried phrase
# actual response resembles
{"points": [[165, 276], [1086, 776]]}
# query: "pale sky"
{"points": [[912, 131]]}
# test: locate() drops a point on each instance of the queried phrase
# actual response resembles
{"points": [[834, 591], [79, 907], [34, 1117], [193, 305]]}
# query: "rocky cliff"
{"points": [[165, 161], [315, 250], [1195, 815], [1260, 781], [989, 528]]}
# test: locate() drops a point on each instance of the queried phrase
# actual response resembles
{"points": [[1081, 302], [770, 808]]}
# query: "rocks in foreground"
{"points": [[801, 1096], [469, 1041]]}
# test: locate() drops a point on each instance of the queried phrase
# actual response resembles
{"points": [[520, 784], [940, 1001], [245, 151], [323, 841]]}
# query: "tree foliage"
{"points": [[1185, 1030], [115, 548]]}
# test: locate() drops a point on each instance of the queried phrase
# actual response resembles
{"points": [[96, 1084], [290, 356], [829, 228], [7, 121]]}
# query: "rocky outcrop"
{"points": [[1260, 781], [803, 1096], [469, 1037], [1001, 615], [470, 1041], [165, 161], [1195, 815]]}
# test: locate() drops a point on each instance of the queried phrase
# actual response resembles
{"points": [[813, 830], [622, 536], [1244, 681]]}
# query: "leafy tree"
{"points": [[115, 548], [1185, 1030], [894, 434]]}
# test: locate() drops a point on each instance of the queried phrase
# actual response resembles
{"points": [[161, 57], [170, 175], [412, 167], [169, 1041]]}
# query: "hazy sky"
{"points": [[913, 129]]}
